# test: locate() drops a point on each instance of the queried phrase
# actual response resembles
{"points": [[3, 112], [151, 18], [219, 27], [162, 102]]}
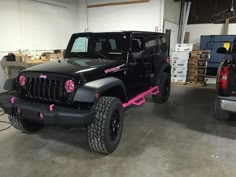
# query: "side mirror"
{"points": [[221, 50]]}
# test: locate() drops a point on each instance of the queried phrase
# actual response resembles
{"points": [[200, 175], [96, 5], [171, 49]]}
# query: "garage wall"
{"points": [[141, 16], [172, 11], [171, 20], [37, 24], [207, 29]]}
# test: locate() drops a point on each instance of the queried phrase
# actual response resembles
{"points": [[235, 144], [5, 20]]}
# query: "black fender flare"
{"points": [[165, 67], [87, 92], [10, 84]]}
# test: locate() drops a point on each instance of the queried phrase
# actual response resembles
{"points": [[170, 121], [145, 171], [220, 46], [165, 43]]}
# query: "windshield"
{"points": [[110, 46]]}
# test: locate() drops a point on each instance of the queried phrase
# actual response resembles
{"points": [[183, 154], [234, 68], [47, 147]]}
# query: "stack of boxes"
{"points": [[198, 66], [179, 63], [179, 66]]}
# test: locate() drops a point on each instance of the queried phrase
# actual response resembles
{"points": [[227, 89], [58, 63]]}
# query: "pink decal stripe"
{"points": [[140, 99]]}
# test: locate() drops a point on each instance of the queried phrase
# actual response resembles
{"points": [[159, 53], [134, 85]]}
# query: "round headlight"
{"points": [[69, 86], [22, 80]]}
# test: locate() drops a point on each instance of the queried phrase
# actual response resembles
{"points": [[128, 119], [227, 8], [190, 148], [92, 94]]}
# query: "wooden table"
{"points": [[8, 65]]}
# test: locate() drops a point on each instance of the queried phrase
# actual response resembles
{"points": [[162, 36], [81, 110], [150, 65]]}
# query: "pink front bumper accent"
{"points": [[140, 99], [13, 100], [51, 107]]}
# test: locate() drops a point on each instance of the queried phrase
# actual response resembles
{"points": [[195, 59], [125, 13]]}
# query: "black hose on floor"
{"points": [[4, 122]]}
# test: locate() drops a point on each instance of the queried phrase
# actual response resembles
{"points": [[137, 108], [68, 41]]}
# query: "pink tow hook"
{"points": [[41, 116], [51, 107], [13, 100], [140, 99]]}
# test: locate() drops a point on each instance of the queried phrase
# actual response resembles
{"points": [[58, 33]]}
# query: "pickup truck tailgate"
{"points": [[233, 80]]}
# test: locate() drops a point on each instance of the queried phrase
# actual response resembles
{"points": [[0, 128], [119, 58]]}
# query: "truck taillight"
{"points": [[224, 77]]}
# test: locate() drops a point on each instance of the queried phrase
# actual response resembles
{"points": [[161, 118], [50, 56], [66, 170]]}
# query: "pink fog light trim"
{"points": [[69, 86], [51, 107], [13, 100], [139, 100]]}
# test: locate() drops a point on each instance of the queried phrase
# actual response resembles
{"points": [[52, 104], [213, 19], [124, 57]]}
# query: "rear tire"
{"points": [[105, 132], [219, 113], [164, 87], [24, 125]]}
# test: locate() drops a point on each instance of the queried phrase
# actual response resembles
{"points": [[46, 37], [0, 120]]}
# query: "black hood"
{"points": [[74, 67]]}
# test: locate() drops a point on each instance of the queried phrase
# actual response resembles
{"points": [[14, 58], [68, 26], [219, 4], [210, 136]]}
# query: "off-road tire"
{"points": [[24, 125], [164, 87], [99, 138], [219, 113]]}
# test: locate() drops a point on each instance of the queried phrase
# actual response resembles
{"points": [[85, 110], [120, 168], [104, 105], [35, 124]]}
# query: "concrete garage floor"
{"points": [[180, 138]]}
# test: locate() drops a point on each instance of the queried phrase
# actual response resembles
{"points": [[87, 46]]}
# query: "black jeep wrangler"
{"points": [[101, 75]]}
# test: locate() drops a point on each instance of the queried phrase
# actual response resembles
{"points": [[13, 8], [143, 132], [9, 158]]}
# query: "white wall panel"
{"points": [[37, 24], [141, 16], [172, 11], [10, 33], [205, 29]]}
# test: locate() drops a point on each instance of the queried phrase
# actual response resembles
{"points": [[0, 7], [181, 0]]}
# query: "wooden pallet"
{"points": [[197, 84], [178, 83]]}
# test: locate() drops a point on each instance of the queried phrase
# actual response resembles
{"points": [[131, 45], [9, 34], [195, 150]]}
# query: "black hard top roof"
{"points": [[121, 32]]}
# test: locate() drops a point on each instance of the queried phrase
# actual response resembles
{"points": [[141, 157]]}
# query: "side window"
{"points": [[113, 44], [98, 47], [151, 46], [163, 46], [137, 44]]}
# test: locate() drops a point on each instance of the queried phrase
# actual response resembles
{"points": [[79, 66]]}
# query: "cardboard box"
{"points": [[184, 47], [179, 70], [197, 71], [183, 65], [196, 78], [57, 56], [180, 55], [197, 62], [179, 62], [28, 59], [60, 55], [200, 54], [19, 57], [178, 80], [181, 77], [175, 72]]}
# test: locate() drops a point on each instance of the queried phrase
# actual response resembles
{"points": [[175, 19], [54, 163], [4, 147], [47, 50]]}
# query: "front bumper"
{"points": [[228, 103], [42, 113]]}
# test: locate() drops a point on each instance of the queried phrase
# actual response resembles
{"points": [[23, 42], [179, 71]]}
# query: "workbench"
{"points": [[8, 65]]}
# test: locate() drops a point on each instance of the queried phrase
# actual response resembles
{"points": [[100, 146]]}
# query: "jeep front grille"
{"points": [[48, 90], [44, 89]]}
